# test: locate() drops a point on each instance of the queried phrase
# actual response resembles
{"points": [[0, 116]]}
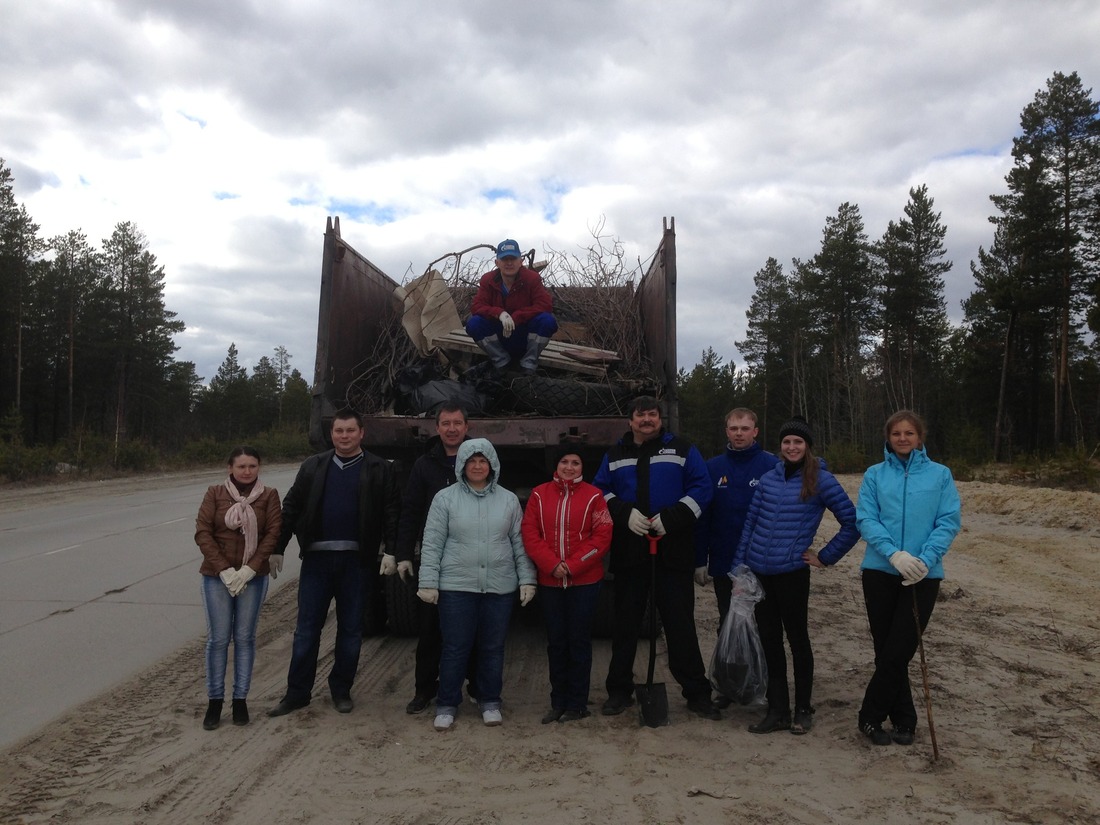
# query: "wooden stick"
{"points": [[924, 673]]}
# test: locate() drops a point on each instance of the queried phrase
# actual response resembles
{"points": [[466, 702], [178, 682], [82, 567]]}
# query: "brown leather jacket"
{"points": [[223, 547]]}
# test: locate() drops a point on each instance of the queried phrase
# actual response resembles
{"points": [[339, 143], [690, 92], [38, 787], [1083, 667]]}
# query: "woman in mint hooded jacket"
{"points": [[908, 513], [472, 562]]}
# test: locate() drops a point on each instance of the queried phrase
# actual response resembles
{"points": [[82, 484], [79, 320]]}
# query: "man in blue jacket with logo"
{"points": [[733, 475], [654, 480]]}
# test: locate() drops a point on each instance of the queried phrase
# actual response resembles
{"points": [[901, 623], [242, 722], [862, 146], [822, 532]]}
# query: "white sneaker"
{"points": [[491, 717], [444, 721]]}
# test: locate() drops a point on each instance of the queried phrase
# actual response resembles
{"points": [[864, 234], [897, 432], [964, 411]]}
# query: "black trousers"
{"points": [[675, 599], [894, 633], [785, 607]]}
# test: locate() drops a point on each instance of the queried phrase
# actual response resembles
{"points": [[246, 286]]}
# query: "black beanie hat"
{"points": [[797, 426]]}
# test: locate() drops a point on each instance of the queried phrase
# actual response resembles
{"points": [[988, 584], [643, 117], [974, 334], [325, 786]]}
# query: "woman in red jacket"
{"points": [[567, 532]]}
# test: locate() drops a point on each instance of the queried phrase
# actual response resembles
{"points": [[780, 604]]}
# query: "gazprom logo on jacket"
{"points": [[667, 451], [754, 482]]}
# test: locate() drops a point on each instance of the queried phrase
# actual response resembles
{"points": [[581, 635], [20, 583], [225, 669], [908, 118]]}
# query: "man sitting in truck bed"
{"points": [[512, 312]]}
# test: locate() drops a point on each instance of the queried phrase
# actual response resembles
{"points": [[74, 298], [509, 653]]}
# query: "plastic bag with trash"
{"points": [[738, 669]]}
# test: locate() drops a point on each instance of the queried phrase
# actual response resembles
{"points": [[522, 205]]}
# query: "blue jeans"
{"points": [[326, 576], [543, 324], [228, 617], [568, 612], [467, 619]]}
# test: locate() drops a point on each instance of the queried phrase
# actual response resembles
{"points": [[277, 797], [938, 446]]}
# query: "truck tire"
{"points": [[402, 607], [603, 621]]}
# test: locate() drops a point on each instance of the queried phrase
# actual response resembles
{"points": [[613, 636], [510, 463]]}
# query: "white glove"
{"points": [[526, 594], [428, 595], [228, 577], [405, 570], [658, 525], [243, 577], [639, 525], [508, 324], [923, 573], [911, 568], [701, 577], [275, 562], [388, 566]]}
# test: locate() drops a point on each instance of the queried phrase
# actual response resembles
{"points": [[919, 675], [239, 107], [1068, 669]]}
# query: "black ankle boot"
{"points": [[213, 714], [240, 712]]}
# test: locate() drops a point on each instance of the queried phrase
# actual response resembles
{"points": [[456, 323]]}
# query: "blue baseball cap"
{"points": [[508, 249]]}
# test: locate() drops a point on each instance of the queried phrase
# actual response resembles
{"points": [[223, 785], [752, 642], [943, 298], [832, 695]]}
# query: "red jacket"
{"points": [[567, 521], [526, 299]]}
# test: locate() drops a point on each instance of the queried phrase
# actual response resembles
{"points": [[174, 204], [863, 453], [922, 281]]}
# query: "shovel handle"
{"points": [[653, 539]]}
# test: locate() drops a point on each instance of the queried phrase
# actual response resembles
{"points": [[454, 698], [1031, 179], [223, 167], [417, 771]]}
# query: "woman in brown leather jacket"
{"points": [[236, 530]]}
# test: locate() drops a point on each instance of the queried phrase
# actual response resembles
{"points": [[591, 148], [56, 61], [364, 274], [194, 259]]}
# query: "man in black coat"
{"points": [[342, 506]]}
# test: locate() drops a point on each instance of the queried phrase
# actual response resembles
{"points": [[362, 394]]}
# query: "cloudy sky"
{"points": [[228, 130]]}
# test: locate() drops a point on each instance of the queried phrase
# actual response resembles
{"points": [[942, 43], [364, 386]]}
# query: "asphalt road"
{"points": [[97, 582]]}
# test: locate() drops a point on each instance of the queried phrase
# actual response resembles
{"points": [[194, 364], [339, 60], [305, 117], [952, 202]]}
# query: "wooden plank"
{"points": [[550, 357]]}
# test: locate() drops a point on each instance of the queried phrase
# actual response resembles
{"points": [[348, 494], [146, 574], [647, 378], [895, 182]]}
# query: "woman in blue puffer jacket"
{"points": [[909, 513], [775, 544]]}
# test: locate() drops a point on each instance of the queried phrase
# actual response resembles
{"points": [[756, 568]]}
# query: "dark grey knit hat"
{"points": [[797, 426]]}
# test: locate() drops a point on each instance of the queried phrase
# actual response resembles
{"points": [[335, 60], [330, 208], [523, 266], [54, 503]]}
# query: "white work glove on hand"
{"points": [[639, 525], [658, 525], [428, 595], [701, 577], [405, 570], [526, 594], [243, 577], [228, 577], [915, 579], [388, 566], [508, 324], [911, 568], [275, 562]]}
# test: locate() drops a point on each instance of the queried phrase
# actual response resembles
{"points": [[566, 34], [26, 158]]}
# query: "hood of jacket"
{"points": [[917, 457], [469, 448]]}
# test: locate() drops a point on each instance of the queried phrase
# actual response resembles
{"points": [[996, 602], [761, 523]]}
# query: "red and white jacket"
{"points": [[567, 521]]}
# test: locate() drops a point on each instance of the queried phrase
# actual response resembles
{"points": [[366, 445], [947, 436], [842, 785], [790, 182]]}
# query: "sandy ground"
{"points": [[1012, 650]]}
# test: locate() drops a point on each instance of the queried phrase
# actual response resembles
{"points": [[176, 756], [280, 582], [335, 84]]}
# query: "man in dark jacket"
{"points": [[656, 482], [734, 474], [430, 473], [511, 314], [342, 507]]}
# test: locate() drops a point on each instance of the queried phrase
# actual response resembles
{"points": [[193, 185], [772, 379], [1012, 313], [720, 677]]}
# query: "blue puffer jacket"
{"points": [[472, 539], [780, 526], [912, 506], [734, 476]]}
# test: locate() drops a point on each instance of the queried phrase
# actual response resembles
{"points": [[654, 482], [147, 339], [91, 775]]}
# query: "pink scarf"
{"points": [[242, 517]]}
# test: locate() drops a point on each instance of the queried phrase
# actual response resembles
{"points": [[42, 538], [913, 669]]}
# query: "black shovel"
{"points": [[652, 699]]}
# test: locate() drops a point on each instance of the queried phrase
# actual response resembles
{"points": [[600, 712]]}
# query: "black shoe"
{"points": [[240, 712], [213, 714], [903, 736], [343, 704], [704, 707], [419, 702], [286, 706], [773, 721], [722, 701], [874, 732], [616, 704], [803, 721], [553, 715], [574, 715]]}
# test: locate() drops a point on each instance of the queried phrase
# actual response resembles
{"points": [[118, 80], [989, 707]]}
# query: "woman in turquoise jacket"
{"points": [[782, 521], [472, 562], [908, 513]]}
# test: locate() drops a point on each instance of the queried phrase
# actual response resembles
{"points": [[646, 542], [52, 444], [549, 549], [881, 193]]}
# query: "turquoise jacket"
{"points": [[472, 539], [912, 506]]}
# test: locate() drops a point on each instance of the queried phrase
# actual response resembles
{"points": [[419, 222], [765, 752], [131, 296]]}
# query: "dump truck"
{"points": [[380, 353]]}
